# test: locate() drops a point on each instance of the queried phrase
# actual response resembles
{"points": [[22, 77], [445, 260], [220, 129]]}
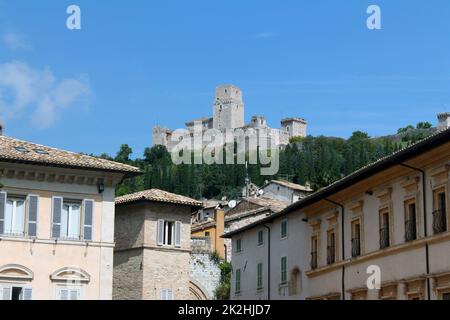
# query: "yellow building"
{"points": [[56, 222], [209, 224]]}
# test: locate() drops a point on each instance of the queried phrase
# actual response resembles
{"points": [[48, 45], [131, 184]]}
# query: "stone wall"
{"points": [[128, 275], [204, 272]]}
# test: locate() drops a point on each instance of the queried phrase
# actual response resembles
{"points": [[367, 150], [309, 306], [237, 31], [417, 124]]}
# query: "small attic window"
{"points": [[21, 149], [40, 151]]}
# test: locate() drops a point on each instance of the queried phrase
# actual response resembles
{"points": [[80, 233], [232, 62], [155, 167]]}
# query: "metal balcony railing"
{"points": [[331, 254], [314, 260], [410, 230], [356, 247], [384, 237], [439, 221]]}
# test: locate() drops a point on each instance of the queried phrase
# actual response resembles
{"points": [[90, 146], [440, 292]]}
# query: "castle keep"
{"points": [[229, 115]]}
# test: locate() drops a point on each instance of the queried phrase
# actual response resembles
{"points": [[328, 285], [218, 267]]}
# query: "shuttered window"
{"points": [[88, 218], [259, 277], [33, 205], [15, 293], [237, 287], [67, 293], [169, 233], [57, 203], [2, 211], [166, 294], [283, 270]]}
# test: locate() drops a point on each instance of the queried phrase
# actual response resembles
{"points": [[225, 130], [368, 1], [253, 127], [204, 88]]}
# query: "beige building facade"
{"points": [[380, 233], [153, 246], [56, 223]]}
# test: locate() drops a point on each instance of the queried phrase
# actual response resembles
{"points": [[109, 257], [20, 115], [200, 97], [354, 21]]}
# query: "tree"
{"points": [[124, 154], [424, 125]]}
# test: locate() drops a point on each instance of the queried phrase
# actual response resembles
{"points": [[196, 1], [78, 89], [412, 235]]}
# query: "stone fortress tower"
{"points": [[228, 108], [229, 114]]}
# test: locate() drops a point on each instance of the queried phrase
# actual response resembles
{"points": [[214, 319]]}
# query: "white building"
{"points": [[392, 214]]}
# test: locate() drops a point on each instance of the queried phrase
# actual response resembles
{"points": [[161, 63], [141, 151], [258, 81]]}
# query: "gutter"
{"points": [[425, 223], [342, 243], [268, 260]]}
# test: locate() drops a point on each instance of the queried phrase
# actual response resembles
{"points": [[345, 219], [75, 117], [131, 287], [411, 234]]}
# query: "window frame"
{"points": [[238, 248], [260, 238], [284, 270], [15, 198], [284, 222], [407, 216], [237, 282], [259, 276]]}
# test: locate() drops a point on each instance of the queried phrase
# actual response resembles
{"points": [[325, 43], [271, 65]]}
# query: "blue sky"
{"points": [[136, 63]]}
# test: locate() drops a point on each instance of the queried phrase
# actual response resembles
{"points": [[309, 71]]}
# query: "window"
{"points": [[284, 229], [446, 296], [18, 215], [166, 294], [169, 233], [70, 221], [384, 229], [238, 245], [14, 220], [440, 211], [331, 248], [283, 270], [259, 280], [356, 238], [69, 293], [260, 237], [237, 287], [207, 234], [314, 247], [15, 292], [410, 221]]}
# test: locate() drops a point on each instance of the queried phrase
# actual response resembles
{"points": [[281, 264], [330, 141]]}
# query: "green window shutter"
{"points": [[284, 270]]}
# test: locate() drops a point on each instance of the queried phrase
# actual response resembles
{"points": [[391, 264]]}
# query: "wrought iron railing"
{"points": [[410, 230], [314, 260], [356, 247], [439, 221], [384, 237]]}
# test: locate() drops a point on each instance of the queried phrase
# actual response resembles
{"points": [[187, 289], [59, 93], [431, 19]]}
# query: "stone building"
{"points": [[56, 222], [153, 246], [389, 219], [229, 115]]}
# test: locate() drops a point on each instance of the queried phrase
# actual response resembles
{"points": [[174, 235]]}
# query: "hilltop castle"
{"points": [[229, 115]]}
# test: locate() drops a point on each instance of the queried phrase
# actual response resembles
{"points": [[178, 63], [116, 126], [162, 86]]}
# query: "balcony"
{"points": [[439, 221], [410, 230], [384, 237], [356, 247], [331, 254], [313, 260]]}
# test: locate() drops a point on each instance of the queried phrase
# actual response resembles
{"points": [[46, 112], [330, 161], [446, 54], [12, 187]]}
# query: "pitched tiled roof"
{"points": [[290, 185], [158, 196], [273, 204], [14, 150], [437, 139]]}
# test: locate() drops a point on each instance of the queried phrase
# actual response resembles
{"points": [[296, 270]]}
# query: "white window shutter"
{"points": [[178, 234], [2, 211], [56, 216], [74, 293], [63, 294], [169, 294], [88, 219], [160, 232], [32, 216], [6, 294], [27, 294]]}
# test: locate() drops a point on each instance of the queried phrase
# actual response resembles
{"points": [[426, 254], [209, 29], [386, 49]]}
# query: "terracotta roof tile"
{"points": [[158, 196], [14, 150]]}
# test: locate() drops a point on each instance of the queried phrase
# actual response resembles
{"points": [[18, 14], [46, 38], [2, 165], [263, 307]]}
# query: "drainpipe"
{"points": [[343, 244], [268, 260], [425, 231]]}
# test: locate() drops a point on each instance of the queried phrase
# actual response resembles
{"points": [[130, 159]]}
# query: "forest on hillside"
{"points": [[318, 161]]}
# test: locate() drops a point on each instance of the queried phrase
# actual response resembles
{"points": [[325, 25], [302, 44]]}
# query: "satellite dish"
{"points": [[232, 204], [260, 192]]}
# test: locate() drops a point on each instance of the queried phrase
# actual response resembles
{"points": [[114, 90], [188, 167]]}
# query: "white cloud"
{"points": [[26, 90], [15, 41], [264, 35]]}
